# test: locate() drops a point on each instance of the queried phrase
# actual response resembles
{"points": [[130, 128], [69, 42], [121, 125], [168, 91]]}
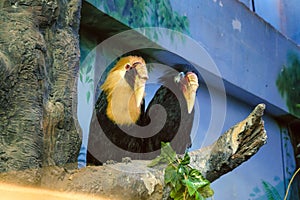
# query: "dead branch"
{"points": [[134, 180]]}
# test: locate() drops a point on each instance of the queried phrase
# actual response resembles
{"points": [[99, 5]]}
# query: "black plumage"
{"points": [[142, 140], [177, 123]]}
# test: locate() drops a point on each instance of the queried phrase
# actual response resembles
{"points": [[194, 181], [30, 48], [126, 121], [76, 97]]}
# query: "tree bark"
{"points": [[39, 59]]}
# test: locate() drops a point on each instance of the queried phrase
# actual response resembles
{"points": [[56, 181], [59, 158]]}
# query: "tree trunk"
{"points": [[39, 59]]}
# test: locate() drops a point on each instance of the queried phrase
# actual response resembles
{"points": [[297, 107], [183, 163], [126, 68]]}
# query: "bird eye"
{"points": [[127, 66], [179, 77]]}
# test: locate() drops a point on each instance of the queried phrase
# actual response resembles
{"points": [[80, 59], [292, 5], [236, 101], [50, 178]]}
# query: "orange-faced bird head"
{"points": [[188, 84], [125, 89]]}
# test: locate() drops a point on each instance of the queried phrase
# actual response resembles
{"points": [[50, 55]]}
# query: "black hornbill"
{"points": [[121, 127]]}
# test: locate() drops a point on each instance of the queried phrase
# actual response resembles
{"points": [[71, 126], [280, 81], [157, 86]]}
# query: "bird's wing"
{"points": [[177, 122]]}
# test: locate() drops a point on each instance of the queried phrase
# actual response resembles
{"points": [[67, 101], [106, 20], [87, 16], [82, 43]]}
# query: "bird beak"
{"points": [[140, 83], [190, 87]]}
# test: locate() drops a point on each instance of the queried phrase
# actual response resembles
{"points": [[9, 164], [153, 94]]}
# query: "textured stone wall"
{"points": [[39, 59]]}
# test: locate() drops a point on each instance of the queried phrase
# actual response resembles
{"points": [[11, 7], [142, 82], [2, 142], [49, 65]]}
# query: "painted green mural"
{"points": [[271, 191], [144, 13], [267, 191], [86, 75], [288, 84]]}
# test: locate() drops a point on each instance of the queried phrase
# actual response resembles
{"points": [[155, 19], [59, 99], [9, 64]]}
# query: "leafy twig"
{"points": [[186, 183]]}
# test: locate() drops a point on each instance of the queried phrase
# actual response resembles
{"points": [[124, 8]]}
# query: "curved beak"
{"points": [[140, 83], [190, 86]]}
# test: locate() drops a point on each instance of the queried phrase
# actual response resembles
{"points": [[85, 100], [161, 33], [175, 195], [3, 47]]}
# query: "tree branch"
{"points": [[134, 180], [233, 148]]}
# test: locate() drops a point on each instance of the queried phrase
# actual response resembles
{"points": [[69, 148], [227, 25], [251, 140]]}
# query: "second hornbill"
{"points": [[122, 127]]}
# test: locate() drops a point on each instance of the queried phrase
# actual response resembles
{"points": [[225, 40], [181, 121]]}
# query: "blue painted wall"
{"points": [[239, 40], [284, 15]]}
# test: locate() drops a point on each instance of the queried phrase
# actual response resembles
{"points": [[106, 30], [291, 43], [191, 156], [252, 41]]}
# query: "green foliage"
{"points": [[145, 13], [288, 84], [186, 183], [86, 74], [271, 192]]}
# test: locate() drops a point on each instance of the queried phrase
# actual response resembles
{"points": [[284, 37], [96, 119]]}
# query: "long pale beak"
{"points": [[140, 84], [190, 89]]}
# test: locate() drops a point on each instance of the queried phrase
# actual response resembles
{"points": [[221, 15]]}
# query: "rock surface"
{"points": [[39, 59]]}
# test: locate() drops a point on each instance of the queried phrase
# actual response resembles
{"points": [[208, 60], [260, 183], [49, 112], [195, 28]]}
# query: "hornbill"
{"points": [[122, 127]]}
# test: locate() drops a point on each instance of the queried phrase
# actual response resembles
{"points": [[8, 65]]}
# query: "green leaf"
{"points": [[186, 159], [190, 186], [194, 185], [206, 191], [185, 182], [167, 152], [201, 184], [167, 155], [81, 68], [171, 175], [87, 79], [198, 196], [177, 195], [173, 178], [90, 80], [120, 4], [178, 185], [88, 96], [156, 161], [270, 191], [89, 68], [182, 170], [194, 173], [80, 77]]}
